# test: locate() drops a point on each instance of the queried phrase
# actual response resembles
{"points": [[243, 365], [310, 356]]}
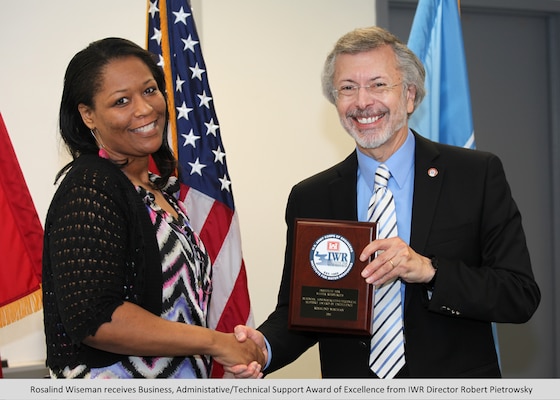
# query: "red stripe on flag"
{"points": [[236, 310], [237, 307], [216, 228]]}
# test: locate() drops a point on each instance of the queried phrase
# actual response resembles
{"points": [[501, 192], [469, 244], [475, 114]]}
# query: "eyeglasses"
{"points": [[375, 89]]}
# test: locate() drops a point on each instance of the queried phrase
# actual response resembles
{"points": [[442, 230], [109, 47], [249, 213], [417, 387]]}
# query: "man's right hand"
{"points": [[242, 333]]}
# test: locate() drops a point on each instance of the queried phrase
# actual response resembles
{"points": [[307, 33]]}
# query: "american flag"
{"points": [[195, 137]]}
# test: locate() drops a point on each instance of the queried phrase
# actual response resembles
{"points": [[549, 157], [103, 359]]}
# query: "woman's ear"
{"points": [[87, 115]]}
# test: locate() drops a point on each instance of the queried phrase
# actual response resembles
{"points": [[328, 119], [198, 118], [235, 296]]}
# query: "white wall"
{"points": [[264, 59]]}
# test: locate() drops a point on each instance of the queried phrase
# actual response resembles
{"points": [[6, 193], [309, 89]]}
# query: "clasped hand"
{"points": [[242, 352], [252, 370], [395, 259]]}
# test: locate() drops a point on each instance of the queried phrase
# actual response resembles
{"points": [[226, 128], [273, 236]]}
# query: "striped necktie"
{"points": [[387, 343]]}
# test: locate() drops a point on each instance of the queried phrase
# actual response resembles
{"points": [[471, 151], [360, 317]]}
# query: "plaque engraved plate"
{"points": [[328, 293]]}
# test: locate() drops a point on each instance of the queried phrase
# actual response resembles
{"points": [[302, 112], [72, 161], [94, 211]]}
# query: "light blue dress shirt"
{"points": [[401, 183]]}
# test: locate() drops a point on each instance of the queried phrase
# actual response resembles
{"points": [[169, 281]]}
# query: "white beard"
{"points": [[374, 138]]}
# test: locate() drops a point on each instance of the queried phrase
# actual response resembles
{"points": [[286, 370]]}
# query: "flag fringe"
{"points": [[21, 308]]}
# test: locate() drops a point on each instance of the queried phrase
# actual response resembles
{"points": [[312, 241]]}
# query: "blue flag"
{"points": [[445, 114], [436, 38]]}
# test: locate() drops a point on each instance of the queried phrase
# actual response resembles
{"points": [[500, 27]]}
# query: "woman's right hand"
{"points": [[231, 352], [245, 333]]}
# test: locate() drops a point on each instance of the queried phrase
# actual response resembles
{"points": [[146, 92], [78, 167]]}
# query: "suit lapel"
{"points": [[342, 190], [428, 179]]}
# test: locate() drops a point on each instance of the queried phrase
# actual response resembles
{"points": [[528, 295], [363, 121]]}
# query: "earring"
{"points": [[102, 152]]}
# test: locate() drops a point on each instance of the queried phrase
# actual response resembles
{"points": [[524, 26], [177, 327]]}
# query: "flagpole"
{"points": [[166, 53]]}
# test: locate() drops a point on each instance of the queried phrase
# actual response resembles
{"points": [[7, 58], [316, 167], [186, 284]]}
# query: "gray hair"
{"points": [[365, 39]]}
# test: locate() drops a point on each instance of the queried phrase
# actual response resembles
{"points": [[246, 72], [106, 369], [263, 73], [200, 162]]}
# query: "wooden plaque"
{"points": [[328, 293]]}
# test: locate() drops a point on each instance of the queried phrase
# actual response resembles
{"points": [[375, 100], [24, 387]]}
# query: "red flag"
{"points": [[196, 140], [21, 240]]}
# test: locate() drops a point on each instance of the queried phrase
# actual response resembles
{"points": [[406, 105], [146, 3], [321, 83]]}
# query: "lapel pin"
{"points": [[432, 172]]}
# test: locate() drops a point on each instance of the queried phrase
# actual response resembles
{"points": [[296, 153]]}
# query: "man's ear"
{"points": [[410, 97], [87, 115]]}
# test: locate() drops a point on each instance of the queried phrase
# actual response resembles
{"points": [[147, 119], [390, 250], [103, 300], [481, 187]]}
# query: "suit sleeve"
{"points": [[485, 273], [287, 345]]}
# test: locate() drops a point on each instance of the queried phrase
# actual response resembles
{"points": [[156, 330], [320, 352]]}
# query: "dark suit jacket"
{"points": [[465, 216]]}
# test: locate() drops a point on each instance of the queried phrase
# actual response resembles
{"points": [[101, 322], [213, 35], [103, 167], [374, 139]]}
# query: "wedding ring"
{"points": [[391, 261]]}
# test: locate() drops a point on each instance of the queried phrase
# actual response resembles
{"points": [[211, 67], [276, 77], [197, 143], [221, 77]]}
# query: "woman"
{"points": [[126, 281]]}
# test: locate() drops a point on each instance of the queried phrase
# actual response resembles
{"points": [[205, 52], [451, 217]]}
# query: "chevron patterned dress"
{"points": [[186, 294]]}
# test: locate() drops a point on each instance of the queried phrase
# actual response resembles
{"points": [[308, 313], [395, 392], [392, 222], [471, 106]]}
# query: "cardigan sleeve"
{"points": [[87, 237]]}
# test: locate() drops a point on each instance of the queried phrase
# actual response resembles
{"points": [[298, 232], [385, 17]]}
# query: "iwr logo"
{"points": [[331, 256]]}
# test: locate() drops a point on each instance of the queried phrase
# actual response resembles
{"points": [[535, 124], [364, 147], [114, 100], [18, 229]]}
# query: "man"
{"points": [[460, 256]]}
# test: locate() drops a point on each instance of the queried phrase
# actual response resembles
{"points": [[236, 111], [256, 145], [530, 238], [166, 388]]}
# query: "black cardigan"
{"points": [[100, 250]]}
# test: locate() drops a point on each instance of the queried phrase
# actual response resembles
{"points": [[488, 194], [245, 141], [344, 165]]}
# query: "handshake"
{"points": [[244, 353]]}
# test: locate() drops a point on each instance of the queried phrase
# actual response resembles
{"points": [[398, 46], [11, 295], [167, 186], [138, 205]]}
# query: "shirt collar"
{"points": [[400, 163]]}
